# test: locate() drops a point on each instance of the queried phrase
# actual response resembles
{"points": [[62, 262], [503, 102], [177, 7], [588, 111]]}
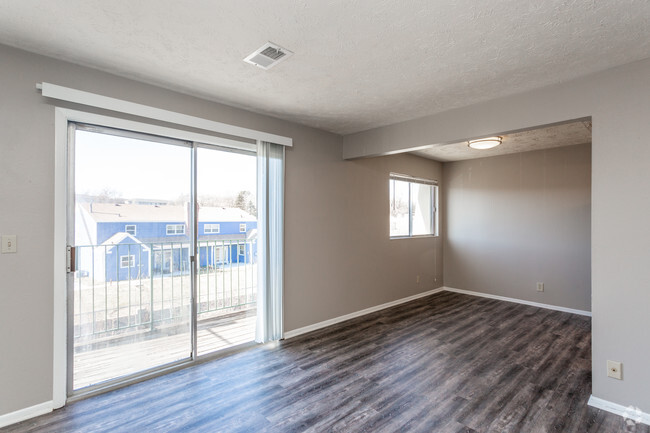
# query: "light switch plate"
{"points": [[8, 244]]}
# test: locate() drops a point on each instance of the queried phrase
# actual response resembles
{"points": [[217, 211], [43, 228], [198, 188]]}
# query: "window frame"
{"points": [[175, 231], [411, 180], [212, 227], [126, 229], [131, 261]]}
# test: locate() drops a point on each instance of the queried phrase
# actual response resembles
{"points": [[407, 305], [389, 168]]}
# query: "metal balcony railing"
{"points": [[141, 286]]}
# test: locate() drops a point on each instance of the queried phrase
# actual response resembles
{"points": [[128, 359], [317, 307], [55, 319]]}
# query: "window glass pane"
{"points": [[422, 209], [131, 293], [399, 208], [227, 249]]}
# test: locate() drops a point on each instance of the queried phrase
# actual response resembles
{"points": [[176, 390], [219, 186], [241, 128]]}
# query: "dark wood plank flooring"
{"points": [[444, 363]]}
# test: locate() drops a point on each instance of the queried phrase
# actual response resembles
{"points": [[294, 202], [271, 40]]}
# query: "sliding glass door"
{"points": [[165, 253], [227, 248]]}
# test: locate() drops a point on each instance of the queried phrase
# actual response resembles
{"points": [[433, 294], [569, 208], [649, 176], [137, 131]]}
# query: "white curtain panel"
{"points": [[270, 223]]}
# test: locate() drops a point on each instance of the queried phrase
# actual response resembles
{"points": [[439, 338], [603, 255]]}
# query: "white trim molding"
{"points": [[335, 320], [59, 325], [75, 96], [26, 413], [519, 301], [146, 128], [630, 413]]}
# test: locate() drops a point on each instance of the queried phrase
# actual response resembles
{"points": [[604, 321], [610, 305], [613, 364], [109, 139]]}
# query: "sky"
{"points": [[135, 168]]}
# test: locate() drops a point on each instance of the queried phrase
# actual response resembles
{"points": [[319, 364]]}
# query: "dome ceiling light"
{"points": [[485, 143]]}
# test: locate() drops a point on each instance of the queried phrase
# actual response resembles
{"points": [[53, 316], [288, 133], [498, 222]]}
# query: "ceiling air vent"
{"points": [[268, 56]]}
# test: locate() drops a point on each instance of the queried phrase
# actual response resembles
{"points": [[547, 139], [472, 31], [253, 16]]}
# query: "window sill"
{"points": [[413, 237]]}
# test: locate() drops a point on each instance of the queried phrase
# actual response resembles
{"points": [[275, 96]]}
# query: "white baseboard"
{"points": [[27, 413], [326, 323], [519, 301], [629, 413]]}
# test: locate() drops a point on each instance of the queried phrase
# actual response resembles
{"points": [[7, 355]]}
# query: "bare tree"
{"points": [[108, 195], [244, 201]]}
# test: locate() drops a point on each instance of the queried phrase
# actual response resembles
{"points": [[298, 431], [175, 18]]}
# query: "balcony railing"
{"points": [[134, 287]]}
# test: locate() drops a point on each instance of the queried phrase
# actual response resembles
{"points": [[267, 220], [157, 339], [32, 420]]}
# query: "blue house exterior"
{"points": [[125, 258], [128, 241]]}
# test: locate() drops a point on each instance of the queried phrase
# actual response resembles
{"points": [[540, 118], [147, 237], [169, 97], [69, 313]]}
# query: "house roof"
{"points": [[118, 238], [117, 212]]}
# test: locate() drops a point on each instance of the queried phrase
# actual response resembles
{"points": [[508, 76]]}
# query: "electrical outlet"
{"points": [[417, 279], [615, 370], [540, 287]]}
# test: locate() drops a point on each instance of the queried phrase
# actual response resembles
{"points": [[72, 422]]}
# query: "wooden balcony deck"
{"points": [[96, 363]]}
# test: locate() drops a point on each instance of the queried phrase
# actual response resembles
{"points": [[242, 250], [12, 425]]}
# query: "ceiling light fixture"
{"points": [[485, 143]]}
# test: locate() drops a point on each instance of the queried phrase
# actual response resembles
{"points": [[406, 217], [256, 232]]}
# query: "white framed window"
{"points": [[413, 206], [241, 249], [211, 228], [242, 228], [130, 229], [175, 229], [127, 261]]}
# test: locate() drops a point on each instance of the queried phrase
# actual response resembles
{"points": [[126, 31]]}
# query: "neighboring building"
{"points": [[120, 241]]}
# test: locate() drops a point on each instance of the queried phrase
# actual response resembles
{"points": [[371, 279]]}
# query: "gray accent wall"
{"points": [[519, 219], [338, 256]]}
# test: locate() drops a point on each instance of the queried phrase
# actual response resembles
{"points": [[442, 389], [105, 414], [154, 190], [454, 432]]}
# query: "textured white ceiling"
{"points": [[357, 64], [567, 134]]}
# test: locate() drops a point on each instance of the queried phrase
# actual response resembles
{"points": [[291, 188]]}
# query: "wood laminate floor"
{"points": [[444, 363]]}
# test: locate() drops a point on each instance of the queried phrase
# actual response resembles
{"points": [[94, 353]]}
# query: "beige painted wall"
{"points": [[618, 100], [338, 257], [517, 219], [337, 237]]}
